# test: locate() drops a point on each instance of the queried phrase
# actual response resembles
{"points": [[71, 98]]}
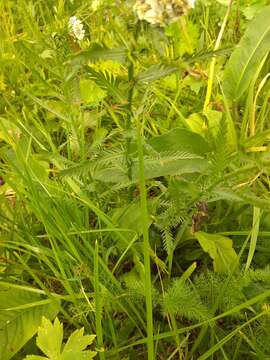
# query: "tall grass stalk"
{"points": [[213, 61], [98, 306], [146, 253]]}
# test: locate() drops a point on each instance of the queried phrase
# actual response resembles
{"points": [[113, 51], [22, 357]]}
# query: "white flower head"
{"points": [[191, 3], [162, 12], [75, 27]]}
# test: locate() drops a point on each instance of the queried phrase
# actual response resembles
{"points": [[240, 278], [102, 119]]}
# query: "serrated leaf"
{"points": [[50, 338], [78, 342], [247, 56], [220, 249], [20, 315]]}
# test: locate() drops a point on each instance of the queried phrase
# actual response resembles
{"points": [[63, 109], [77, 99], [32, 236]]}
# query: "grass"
{"points": [[118, 152]]}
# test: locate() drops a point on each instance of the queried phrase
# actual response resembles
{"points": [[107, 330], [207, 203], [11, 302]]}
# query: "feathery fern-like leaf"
{"points": [[182, 300]]}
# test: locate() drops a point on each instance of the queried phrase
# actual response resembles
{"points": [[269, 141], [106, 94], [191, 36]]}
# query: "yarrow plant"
{"points": [[162, 12], [75, 27]]}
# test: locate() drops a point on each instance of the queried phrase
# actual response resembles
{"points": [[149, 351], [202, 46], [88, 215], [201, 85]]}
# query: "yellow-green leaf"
{"points": [[220, 249], [91, 92]]}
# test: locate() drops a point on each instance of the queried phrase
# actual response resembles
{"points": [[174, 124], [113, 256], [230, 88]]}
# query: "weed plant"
{"points": [[134, 181]]}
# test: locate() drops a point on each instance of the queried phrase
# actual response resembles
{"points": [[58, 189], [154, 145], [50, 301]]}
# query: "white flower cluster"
{"points": [[162, 12], [75, 27]]}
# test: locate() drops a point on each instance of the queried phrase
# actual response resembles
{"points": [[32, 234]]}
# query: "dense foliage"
{"points": [[134, 179]]}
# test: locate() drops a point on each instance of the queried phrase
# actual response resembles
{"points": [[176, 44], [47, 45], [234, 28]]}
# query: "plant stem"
{"points": [[129, 104], [129, 117], [147, 268], [98, 306], [213, 61]]}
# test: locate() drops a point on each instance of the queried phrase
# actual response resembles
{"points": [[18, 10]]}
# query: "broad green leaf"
{"points": [[180, 140], [21, 312], [172, 165], [252, 10], [164, 165], [91, 92], [247, 56], [204, 123], [130, 217], [177, 152], [220, 249]]}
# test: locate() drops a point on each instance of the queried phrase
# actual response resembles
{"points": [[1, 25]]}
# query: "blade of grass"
{"points": [[98, 306], [254, 236], [146, 247], [219, 345], [213, 61]]}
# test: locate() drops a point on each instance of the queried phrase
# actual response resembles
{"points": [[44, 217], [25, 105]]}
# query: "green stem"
{"points": [[129, 117], [129, 103], [146, 247], [98, 305], [213, 61]]}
